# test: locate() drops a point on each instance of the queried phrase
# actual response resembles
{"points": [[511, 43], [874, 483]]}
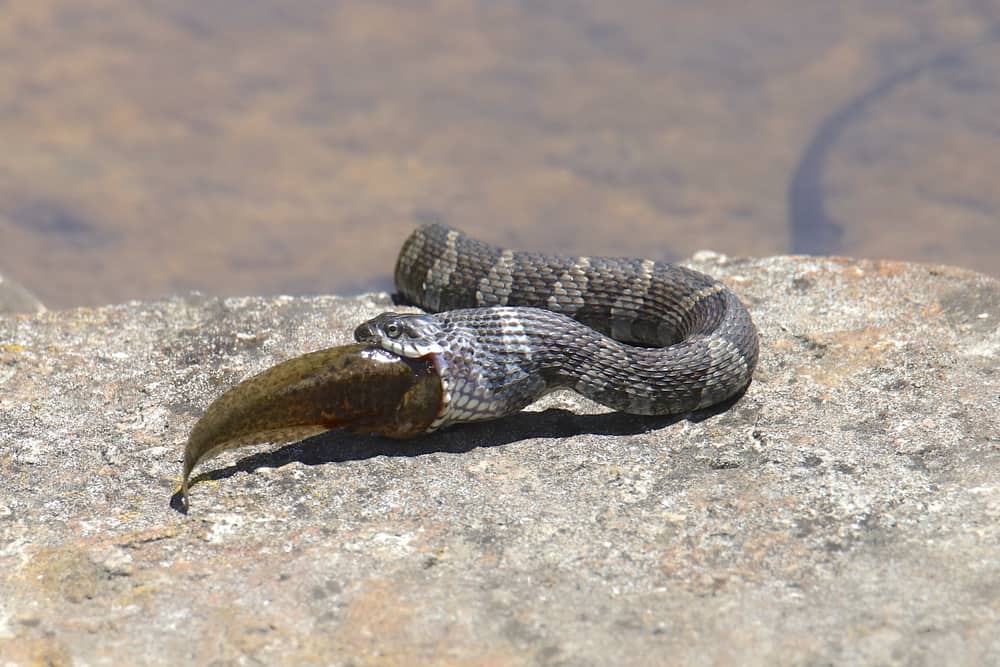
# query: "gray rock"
{"points": [[846, 510], [15, 299]]}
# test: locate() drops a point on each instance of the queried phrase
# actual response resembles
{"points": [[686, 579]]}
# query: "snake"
{"points": [[505, 327]]}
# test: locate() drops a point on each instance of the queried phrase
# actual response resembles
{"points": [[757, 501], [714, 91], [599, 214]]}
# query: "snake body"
{"points": [[638, 336]]}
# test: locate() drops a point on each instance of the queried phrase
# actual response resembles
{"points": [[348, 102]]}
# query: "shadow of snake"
{"points": [[340, 446]]}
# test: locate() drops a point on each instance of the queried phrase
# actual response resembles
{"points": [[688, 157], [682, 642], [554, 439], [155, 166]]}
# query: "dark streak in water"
{"points": [[52, 219], [813, 231]]}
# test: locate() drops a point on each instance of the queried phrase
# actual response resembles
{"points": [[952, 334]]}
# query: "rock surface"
{"points": [[846, 510]]}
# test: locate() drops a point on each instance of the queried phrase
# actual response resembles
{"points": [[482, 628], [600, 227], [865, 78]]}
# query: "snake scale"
{"points": [[638, 336]]}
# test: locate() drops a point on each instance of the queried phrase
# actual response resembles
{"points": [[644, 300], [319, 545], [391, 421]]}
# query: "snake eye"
{"points": [[392, 329]]}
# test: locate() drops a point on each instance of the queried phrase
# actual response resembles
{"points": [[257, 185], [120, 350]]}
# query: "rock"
{"points": [[16, 299], [846, 510]]}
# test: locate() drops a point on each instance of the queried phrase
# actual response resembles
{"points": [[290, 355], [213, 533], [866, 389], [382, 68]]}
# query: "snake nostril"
{"points": [[364, 333]]}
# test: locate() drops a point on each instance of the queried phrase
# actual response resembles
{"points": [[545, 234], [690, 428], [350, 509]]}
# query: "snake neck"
{"points": [[490, 365]]}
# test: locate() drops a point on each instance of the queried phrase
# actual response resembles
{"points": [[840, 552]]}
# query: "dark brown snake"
{"points": [[638, 336]]}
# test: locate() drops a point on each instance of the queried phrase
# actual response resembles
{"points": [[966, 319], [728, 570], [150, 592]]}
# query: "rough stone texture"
{"points": [[15, 299], [846, 510]]}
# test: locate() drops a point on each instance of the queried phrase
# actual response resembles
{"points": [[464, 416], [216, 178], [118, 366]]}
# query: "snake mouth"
{"points": [[357, 387], [442, 369], [366, 333], [400, 334]]}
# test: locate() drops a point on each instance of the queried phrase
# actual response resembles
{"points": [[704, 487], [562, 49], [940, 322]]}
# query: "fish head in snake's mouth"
{"points": [[412, 336]]}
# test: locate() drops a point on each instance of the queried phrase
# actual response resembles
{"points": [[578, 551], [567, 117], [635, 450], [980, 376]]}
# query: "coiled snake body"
{"points": [[635, 335]]}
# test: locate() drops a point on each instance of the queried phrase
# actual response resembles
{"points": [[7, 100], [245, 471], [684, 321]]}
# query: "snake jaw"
{"points": [[443, 369], [412, 350]]}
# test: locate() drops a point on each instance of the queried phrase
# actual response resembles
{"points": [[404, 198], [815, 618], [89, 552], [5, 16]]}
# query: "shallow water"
{"points": [[235, 147]]}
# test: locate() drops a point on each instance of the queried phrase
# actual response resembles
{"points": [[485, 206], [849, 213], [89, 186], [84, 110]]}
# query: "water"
{"points": [[262, 147]]}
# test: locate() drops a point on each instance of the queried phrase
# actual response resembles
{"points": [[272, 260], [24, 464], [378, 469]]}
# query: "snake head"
{"points": [[411, 336]]}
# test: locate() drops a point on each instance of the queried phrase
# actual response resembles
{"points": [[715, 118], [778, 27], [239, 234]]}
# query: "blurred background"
{"points": [[153, 147]]}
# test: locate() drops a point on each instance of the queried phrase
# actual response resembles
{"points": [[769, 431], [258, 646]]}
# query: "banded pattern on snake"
{"points": [[638, 336]]}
